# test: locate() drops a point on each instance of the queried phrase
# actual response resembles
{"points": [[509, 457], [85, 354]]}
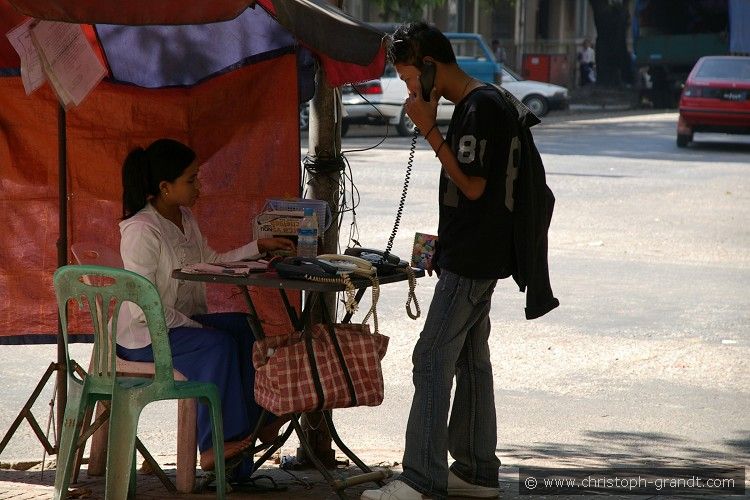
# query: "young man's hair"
{"points": [[414, 41]]}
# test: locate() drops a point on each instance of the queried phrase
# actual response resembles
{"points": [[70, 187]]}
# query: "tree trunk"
{"points": [[613, 63]]}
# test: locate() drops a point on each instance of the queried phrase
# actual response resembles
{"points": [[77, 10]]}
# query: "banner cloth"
{"points": [[243, 124]]}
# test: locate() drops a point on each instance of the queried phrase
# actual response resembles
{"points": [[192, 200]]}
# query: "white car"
{"points": [[540, 97], [382, 100]]}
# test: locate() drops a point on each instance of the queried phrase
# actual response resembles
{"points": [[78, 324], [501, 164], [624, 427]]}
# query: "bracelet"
{"points": [[437, 151], [431, 129]]}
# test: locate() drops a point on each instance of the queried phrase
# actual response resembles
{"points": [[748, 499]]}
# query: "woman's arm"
{"points": [[249, 251]]}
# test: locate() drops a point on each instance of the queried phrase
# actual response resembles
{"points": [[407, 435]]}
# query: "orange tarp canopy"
{"points": [[244, 124]]}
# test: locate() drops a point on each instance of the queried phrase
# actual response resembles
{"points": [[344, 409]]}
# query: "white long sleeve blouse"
{"points": [[153, 247]]}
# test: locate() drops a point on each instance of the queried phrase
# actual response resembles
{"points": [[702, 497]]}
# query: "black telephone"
{"points": [[427, 79], [384, 262]]}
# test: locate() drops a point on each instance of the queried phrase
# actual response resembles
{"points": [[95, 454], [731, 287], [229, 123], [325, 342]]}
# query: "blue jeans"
{"points": [[454, 342]]}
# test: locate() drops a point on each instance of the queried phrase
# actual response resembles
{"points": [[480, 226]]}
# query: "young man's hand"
{"points": [[422, 113]]}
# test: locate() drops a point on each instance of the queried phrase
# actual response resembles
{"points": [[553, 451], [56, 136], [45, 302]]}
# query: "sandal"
{"points": [[250, 484], [231, 450]]}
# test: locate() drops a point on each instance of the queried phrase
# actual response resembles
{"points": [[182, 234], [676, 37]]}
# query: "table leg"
{"points": [[312, 457], [290, 311], [357, 298], [328, 414], [254, 320], [275, 445]]}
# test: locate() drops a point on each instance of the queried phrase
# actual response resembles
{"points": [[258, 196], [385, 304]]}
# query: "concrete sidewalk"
{"points": [[298, 484]]}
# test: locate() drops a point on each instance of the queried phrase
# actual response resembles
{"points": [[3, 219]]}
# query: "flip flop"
{"points": [[231, 450], [250, 484]]}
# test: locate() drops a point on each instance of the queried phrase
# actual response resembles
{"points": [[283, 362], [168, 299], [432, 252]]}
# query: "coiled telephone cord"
{"points": [[412, 297], [350, 304], [375, 296], [402, 201]]}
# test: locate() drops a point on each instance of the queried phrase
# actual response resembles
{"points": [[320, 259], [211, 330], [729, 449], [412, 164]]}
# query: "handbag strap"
{"points": [[342, 362], [340, 354], [314, 370]]}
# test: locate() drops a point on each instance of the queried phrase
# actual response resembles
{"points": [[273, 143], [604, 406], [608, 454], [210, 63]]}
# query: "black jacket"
{"points": [[533, 203]]}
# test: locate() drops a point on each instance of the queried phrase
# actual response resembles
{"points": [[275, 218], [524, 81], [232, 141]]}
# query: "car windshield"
{"points": [[725, 69], [510, 75], [468, 49]]}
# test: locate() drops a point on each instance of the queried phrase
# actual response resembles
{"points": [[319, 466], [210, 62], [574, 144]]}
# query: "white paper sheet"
{"points": [[32, 74], [68, 60]]}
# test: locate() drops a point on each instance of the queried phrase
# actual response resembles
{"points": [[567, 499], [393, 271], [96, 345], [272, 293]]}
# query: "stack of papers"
{"points": [[58, 52], [241, 268]]}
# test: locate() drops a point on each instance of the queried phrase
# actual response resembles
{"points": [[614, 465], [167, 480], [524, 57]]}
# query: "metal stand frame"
{"points": [[26, 413], [60, 367]]}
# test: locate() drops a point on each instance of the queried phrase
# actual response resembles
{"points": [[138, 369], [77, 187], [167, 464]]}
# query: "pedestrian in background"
{"points": [[498, 51], [586, 62]]}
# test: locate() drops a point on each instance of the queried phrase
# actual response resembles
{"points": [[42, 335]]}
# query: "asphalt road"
{"points": [[646, 359]]}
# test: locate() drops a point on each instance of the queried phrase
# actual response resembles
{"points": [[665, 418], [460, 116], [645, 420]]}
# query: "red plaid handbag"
{"points": [[327, 366]]}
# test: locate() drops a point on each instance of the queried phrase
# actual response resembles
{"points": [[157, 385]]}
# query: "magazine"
{"points": [[423, 250]]}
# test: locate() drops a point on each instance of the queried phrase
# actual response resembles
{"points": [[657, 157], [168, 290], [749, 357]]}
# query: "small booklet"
{"points": [[423, 250]]}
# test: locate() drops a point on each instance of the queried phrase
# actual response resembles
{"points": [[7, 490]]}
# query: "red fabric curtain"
{"points": [[244, 124], [132, 12]]}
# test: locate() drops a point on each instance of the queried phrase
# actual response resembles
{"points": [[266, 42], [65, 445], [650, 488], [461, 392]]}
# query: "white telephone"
{"points": [[348, 264]]}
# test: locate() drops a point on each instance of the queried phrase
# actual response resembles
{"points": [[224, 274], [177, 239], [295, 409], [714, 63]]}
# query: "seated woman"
{"points": [[159, 234]]}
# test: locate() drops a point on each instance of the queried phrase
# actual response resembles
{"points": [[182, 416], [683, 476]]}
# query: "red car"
{"points": [[716, 98]]}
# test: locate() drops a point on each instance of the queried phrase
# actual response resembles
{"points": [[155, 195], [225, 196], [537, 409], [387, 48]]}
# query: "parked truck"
{"points": [[669, 36]]}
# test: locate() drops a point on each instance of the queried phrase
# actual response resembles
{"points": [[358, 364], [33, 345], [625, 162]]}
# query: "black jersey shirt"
{"points": [[476, 237]]}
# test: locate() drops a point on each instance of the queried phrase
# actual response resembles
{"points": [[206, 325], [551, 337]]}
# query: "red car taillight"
{"points": [[369, 88], [705, 92]]}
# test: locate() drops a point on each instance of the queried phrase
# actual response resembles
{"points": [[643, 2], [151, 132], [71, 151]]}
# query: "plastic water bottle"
{"points": [[307, 235]]}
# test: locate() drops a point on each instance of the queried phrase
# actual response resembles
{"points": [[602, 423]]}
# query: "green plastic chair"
{"points": [[102, 290]]}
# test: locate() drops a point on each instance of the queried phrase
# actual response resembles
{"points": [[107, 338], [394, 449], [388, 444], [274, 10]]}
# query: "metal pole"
{"points": [[62, 259], [324, 155]]}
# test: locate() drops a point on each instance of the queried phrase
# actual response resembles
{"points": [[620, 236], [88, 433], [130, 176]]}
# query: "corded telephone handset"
{"points": [[384, 261], [349, 264], [427, 79]]}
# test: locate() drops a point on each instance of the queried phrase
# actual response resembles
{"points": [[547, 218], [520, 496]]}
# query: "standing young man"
{"points": [[476, 247]]}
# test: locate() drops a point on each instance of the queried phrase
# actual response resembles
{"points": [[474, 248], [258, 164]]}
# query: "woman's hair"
{"points": [[145, 169], [414, 41]]}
